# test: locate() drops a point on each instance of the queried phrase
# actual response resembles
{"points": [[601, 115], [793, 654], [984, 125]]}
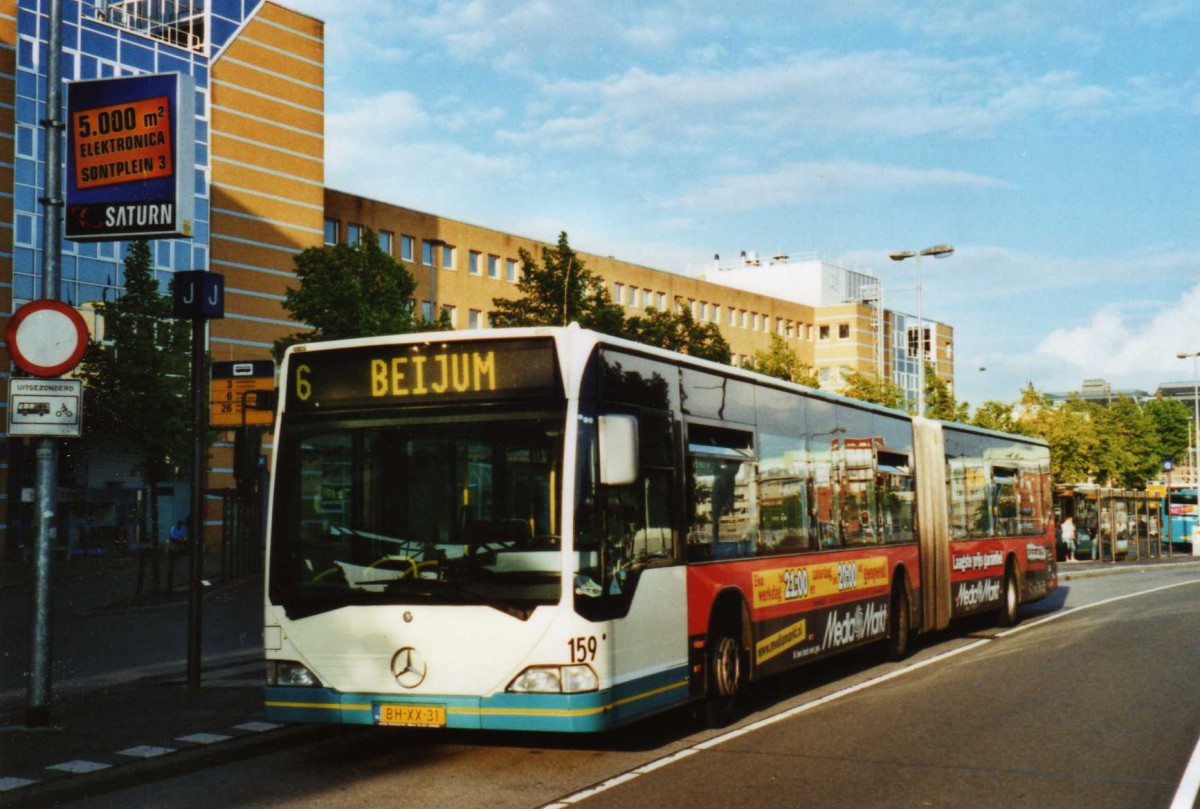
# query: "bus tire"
{"points": [[1011, 596], [899, 622], [725, 678]]}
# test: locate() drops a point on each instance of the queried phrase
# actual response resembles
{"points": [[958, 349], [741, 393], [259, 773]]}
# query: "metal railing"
{"points": [[178, 22]]}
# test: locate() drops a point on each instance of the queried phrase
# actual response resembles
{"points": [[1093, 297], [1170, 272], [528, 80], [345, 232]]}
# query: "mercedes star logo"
{"points": [[408, 667]]}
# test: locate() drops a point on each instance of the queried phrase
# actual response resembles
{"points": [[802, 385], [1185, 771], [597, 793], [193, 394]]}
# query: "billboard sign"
{"points": [[130, 158]]}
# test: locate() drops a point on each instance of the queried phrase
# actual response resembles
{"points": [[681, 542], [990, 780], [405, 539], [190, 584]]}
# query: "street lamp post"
{"points": [[937, 251], [1194, 449]]}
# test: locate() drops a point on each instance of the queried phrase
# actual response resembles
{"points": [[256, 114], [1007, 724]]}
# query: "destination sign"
{"points": [[389, 375]]}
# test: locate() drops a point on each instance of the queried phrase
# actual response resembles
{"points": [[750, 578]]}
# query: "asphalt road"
{"points": [[1090, 702]]}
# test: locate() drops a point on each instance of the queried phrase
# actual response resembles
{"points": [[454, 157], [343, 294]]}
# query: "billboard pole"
{"points": [[37, 708]]}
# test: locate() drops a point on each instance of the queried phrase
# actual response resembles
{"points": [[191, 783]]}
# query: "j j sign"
{"points": [[130, 157]]}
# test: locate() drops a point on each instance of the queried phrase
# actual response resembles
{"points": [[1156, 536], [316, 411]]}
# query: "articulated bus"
{"points": [[549, 529]]}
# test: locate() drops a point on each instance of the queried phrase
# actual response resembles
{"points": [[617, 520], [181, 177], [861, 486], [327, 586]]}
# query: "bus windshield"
{"points": [[436, 509]]}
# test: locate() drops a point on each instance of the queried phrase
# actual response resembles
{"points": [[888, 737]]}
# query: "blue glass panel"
{"points": [[183, 255], [97, 272], [25, 54], [200, 75], [201, 131], [26, 22], [85, 248], [27, 111], [23, 287], [87, 67], [26, 172], [170, 64], [26, 199], [23, 259], [94, 292], [162, 255], [70, 35], [98, 44], [69, 268], [222, 32], [24, 229], [27, 84], [134, 55]]}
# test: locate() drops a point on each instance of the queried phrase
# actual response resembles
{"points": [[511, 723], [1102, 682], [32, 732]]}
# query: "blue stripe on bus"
{"points": [[577, 713]]}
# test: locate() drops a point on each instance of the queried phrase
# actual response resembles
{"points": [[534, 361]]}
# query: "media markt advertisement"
{"points": [[130, 157]]}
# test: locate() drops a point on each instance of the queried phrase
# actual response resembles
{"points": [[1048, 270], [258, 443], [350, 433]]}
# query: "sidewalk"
{"points": [[121, 712]]}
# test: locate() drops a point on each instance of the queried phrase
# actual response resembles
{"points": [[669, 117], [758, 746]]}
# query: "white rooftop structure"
{"points": [[804, 278]]}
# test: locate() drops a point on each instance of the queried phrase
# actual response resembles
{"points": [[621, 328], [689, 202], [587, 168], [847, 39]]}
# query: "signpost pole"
{"points": [[37, 710], [199, 296], [196, 584]]}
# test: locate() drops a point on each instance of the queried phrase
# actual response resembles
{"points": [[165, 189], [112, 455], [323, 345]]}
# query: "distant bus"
{"points": [[1180, 513], [549, 529]]}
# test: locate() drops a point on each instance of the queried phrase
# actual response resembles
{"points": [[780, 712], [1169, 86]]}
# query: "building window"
{"points": [[473, 258], [386, 238], [914, 349], [447, 257], [451, 313], [474, 319], [494, 267], [510, 269], [331, 231], [716, 313], [662, 301], [426, 310], [732, 316], [742, 318], [823, 333], [843, 331], [407, 243], [632, 298], [823, 375], [353, 234], [427, 249], [618, 292], [808, 332]]}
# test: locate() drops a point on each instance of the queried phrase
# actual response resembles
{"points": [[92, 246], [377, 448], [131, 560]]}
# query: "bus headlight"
{"points": [[288, 673], [555, 680]]}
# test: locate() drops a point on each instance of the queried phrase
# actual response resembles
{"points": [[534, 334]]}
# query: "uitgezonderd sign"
{"points": [[130, 158]]}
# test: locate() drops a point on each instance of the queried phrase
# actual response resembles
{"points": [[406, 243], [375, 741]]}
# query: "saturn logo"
{"points": [[408, 667]]}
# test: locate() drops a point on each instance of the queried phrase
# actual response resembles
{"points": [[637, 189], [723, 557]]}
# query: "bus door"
{"points": [[638, 583]]}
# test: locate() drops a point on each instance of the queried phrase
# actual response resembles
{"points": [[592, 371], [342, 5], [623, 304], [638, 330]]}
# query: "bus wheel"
{"points": [[899, 623], [724, 679], [1012, 600]]}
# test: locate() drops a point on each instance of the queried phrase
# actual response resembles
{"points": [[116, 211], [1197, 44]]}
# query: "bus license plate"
{"points": [[412, 716]]}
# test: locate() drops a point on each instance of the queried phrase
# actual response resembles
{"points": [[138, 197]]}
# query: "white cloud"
{"points": [[1114, 344], [806, 182]]}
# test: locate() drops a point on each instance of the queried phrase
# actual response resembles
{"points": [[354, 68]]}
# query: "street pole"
{"points": [[937, 251], [196, 572], [37, 710]]}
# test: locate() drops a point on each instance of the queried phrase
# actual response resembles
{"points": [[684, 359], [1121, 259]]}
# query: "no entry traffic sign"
{"points": [[46, 338]]}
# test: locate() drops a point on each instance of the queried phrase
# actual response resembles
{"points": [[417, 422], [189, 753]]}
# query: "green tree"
{"points": [[939, 401], [352, 291], [870, 388], [1070, 430], [679, 331], [1127, 455], [780, 361], [1171, 419], [560, 291], [993, 415], [137, 379]]}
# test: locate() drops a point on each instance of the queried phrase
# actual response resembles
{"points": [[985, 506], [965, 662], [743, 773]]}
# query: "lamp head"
{"points": [[938, 251], [900, 255]]}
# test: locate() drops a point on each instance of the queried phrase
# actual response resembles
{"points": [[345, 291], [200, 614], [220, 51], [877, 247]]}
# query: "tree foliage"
{"points": [[561, 290], [679, 331], [138, 391], [782, 362], [939, 400], [871, 388], [352, 291], [1171, 419]]}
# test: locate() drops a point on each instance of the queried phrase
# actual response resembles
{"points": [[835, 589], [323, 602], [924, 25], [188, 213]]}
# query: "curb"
{"points": [[1111, 569], [146, 770]]}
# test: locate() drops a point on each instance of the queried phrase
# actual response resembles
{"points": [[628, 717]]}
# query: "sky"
{"points": [[1055, 145]]}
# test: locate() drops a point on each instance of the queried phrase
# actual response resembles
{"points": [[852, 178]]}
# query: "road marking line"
{"points": [[79, 766], [1192, 773], [204, 738], [145, 751], [257, 727], [1189, 787], [14, 783]]}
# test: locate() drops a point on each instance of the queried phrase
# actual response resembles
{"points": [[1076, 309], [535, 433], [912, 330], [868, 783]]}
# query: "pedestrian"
{"points": [[179, 536], [1068, 537]]}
